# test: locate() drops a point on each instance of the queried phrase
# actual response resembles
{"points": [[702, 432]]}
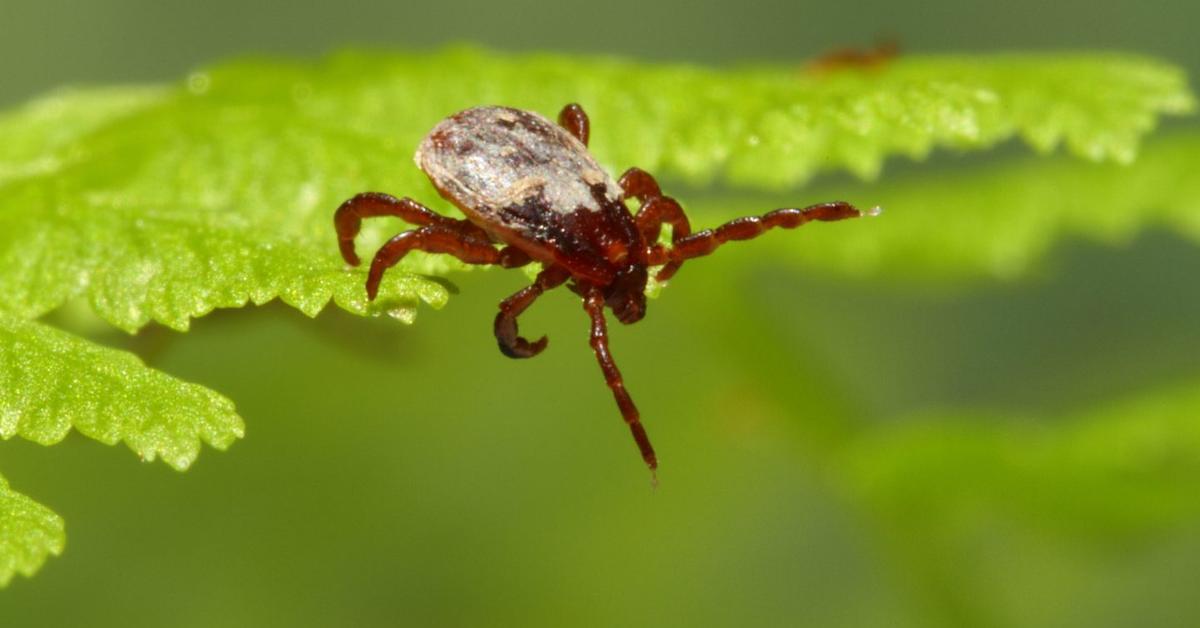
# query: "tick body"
{"points": [[883, 52], [531, 191]]}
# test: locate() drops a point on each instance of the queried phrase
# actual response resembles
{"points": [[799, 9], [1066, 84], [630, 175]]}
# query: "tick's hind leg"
{"points": [[433, 239], [593, 302], [348, 219], [511, 343], [704, 242]]}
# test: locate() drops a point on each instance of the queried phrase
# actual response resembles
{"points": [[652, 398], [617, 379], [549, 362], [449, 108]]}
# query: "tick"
{"points": [[531, 191], [884, 51]]}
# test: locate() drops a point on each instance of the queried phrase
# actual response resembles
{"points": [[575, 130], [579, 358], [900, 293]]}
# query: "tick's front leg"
{"points": [[593, 302], [511, 343], [656, 210], [575, 121], [705, 242]]}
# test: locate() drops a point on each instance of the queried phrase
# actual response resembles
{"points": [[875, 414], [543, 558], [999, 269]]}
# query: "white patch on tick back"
{"points": [[592, 177], [491, 158]]}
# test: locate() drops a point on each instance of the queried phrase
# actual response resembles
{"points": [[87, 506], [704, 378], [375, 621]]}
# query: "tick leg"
{"points": [[348, 219], [593, 302], [650, 219], [704, 242], [639, 184], [512, 257], [575, 121], [433, 239], [656, 210], [511, 343]]}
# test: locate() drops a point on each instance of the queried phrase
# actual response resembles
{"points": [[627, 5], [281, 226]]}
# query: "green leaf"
{"points": [[1127, 467], [29, 533], [51, 381], [769, 125], [165, 204], [996, 220], [39, 136], [968, 499]]}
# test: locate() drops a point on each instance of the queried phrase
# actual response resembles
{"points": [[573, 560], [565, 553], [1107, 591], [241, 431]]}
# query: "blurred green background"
{"points": [[463, 488]]}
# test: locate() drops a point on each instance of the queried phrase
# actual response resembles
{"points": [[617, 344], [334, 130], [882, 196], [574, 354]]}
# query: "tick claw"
{"points": [[523, 348]]}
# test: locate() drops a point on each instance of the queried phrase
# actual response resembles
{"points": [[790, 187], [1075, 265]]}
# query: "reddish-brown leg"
{"points": [[652, 216], [656, 210], [511, 343], [512, 257], [593, 302], [704, 242], [575, 121], [639, 184], [348, 219], [433, 239]]}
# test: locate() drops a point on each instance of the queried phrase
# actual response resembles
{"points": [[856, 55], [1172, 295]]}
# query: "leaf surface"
{"points": [[52, 382], [996, 220], [29, 533], [1128, 467]]}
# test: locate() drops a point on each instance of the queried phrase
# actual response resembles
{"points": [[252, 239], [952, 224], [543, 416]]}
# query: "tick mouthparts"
{"points": [[874, 211]]}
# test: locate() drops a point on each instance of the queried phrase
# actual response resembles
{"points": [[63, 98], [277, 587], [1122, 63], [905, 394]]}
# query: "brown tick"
{"points": [[532, 187]]}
